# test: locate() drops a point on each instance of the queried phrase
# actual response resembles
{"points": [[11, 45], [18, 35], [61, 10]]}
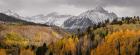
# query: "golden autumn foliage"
{"points": [[64, 45], [27, 52], [34, 34], [13, 38], [92, 52], [70, 45], [2, 52], [106, 40], [128, 41]]}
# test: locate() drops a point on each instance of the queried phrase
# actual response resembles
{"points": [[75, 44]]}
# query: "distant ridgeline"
{"points": [[5, 19]]}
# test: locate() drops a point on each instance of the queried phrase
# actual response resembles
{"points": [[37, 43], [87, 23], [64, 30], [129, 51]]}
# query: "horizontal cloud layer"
{"points": [[33, 7]]}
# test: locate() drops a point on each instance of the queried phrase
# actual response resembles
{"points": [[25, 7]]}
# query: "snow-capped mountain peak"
{"points": [[88, 18], [97, 9], [98, 14], [101, 9], [10, 13]]}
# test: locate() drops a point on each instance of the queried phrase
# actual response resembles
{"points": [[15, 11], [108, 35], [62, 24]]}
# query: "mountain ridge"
{"points": [[83, 20], [89, 18]]}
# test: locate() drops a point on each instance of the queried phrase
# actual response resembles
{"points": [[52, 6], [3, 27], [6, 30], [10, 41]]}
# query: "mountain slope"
{"points": [[57, 20], [70, 22], [10, 19], [29, 34], [88, 18], [98, 15], [52, 19], [10, 13]]}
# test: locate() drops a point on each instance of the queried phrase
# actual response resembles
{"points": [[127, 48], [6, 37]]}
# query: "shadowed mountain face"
{"points": [[80, 23], [6, 18], [72, 25], [10, 19]]}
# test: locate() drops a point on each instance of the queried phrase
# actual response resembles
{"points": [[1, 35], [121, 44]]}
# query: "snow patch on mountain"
{"points": [[51, 19], [10, 13], [57, 20]]}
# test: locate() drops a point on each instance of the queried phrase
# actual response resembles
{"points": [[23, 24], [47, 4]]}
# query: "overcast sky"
{"points": [[75, 7]]}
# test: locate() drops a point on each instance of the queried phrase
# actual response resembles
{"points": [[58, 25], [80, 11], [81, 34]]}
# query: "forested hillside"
{"points": [[119, 37]]}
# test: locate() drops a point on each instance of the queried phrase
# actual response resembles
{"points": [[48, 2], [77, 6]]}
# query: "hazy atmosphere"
{"points": [[73, 7]]}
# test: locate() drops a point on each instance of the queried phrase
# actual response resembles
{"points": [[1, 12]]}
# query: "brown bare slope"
{"points": [[29, 34]]}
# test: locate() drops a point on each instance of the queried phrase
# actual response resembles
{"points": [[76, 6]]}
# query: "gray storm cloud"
{"points": [[27, 7], [90, 3]]}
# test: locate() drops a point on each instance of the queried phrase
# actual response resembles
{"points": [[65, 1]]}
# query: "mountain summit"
{"points": [[88, 18], [99, 9]]}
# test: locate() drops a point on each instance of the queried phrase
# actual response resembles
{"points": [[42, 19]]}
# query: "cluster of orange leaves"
{"points": [[64, 45], [27, 52], [129, 40], [2, 52]]}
